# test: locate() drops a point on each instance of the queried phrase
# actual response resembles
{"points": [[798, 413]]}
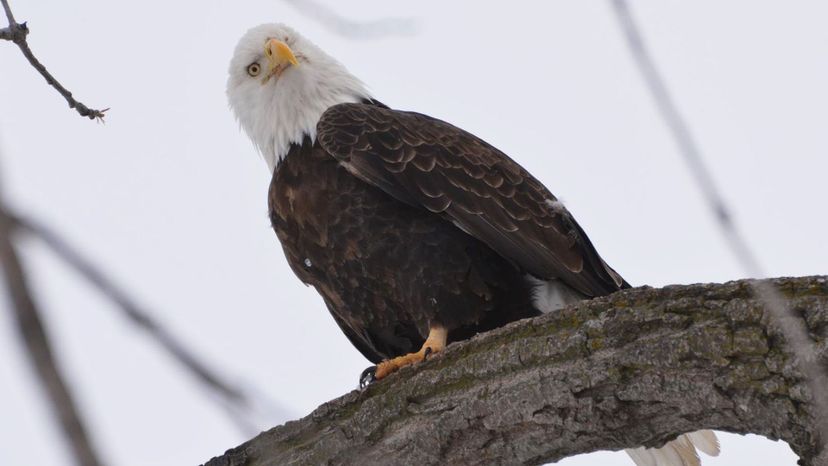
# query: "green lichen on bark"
{"points": [[635, 368]]}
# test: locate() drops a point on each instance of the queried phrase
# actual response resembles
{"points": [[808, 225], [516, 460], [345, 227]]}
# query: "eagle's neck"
{"points": [[309, 138], [291, 115]]}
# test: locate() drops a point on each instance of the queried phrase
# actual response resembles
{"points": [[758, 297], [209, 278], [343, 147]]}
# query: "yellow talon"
{"points": [[436, 342]]}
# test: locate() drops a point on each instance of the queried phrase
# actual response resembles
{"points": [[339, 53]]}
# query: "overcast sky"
{"points": [[170, 197]]}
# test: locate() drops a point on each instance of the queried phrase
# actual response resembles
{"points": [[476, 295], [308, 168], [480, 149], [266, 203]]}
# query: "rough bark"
{"points": [[635, 368]]}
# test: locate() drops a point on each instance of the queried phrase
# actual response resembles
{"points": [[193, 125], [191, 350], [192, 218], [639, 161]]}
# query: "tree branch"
{"points": [[635, 368], [38, 349], [354, 29], [240, 405], [17, 32], [794, 333]]}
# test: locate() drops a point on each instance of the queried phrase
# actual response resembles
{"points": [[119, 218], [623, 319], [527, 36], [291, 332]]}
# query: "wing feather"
{"points": [[429, 163]]}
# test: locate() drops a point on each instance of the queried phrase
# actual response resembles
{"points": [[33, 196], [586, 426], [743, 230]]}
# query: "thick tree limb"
{"points": [[736, 241], [636, 368]]}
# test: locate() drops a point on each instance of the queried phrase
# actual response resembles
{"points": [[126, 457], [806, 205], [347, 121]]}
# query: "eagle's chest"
{"points": [[303, 201], [332, 226], [304, 207]]}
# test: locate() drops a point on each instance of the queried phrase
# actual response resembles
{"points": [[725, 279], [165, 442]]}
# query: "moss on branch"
{"points": [[635, 368]]}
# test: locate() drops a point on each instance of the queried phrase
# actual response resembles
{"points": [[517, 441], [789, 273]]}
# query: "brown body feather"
{"points": [[401, 221], [384, 268]]}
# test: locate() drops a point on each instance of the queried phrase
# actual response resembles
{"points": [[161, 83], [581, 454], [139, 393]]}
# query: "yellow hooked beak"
{"points": [[279, 57]]}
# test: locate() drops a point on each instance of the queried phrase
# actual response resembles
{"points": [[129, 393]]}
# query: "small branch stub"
{"points": [[15, 32]]}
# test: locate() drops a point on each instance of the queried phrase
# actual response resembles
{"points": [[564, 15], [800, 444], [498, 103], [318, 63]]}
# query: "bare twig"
{"points": [[354, 29], [239, 405], [38, 348], [795, 333], [17, 33], [9, 14]]}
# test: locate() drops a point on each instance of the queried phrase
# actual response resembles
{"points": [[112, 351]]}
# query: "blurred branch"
{"points": [[685, 141], [17, 32], [232, 399], [354, 29], [38, 348], [795, 333]]}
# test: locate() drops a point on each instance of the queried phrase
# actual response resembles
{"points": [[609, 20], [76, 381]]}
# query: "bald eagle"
{"points": [[414, 232]]}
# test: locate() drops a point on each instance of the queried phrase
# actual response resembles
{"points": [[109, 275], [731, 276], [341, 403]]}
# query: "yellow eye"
{"points": [[254, 69]]}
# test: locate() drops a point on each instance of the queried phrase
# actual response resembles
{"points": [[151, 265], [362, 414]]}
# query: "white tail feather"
{"points": [[706, 441], [641, 457], [552, 295], [679, 452]]}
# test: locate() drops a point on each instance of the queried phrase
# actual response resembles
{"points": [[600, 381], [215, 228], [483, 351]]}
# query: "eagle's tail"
{"points": [[679, 452], [552, 295]]}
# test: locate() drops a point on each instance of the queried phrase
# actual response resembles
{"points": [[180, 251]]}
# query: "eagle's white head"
{"points": [[280, 83]]}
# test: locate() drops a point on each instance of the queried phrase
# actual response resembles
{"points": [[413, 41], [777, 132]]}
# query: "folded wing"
{"points": [[429, 163]]}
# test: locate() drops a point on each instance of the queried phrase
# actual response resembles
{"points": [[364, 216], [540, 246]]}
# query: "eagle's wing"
{"points": [[429, 163]]}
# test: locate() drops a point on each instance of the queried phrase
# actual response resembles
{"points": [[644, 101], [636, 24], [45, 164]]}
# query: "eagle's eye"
{"points": [[254, 69]]}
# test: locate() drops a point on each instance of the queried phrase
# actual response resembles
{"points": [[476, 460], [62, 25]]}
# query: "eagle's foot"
{"points": [[435, 343], [386, 367]]}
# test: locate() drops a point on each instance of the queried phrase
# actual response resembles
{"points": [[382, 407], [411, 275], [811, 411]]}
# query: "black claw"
{"points": [[427, 353], [367, 377]]}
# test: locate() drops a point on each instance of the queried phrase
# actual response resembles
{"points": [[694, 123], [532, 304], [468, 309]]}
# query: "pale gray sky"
{"points": [[171, 198]]}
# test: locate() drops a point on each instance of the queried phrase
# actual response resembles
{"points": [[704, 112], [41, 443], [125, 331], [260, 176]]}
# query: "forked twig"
{"points": [[17, 32]]}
